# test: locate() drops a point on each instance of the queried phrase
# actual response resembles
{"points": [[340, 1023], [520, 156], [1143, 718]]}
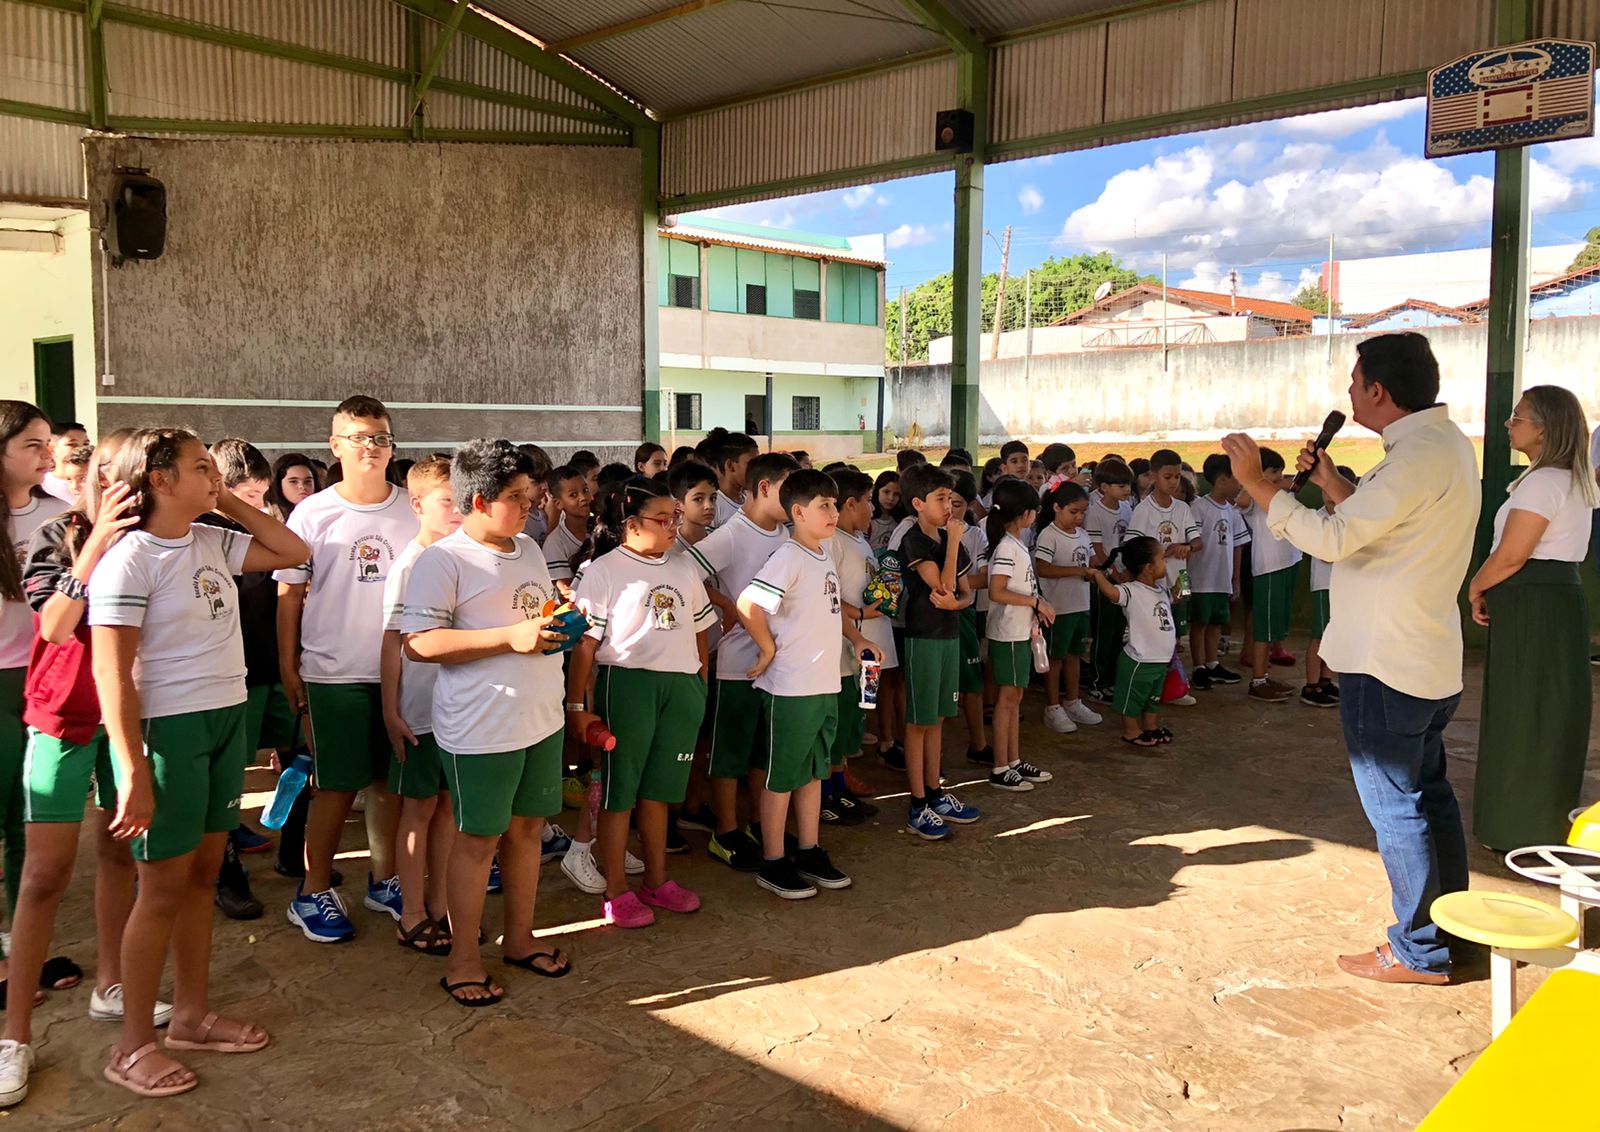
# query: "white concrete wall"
{"points": [[718, 340], [1074, 337], [1288, 384], [47, 295]]}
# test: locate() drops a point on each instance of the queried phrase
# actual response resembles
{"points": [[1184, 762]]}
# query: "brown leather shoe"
{"points": [[1381, 966]]}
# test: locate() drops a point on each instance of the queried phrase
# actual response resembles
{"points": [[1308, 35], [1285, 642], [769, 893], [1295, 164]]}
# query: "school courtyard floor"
{"points": [[1145, 943]]}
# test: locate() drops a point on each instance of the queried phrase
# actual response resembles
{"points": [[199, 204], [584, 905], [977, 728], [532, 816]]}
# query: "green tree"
{"points": [[1590, 255], [1059, 286], [1313, 298]]}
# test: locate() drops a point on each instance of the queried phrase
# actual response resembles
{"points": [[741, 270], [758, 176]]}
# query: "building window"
{"points": [[755, 299], [686, 411], [807, 414], [808, 304], [685, 291]]}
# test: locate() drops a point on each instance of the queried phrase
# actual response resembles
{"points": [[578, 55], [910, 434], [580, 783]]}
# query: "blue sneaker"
{"points": [[927, 825], [247, 840], [321, 916], [556, 843], [384, 896], [949, 807], [495, 886]]}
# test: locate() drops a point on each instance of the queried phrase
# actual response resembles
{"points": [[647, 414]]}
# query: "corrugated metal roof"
{"points": [[374, 30], [857, 250], [43, 159], [43, 58], [1422, 34], [996, 17], [1568, 19], [883, 117], [1169, 60], [552, 20], [1050, 84], [473, 61]]}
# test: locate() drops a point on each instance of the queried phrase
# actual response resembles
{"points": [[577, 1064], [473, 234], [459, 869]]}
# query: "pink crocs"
{"points": [[672, 896], [626, 912]]}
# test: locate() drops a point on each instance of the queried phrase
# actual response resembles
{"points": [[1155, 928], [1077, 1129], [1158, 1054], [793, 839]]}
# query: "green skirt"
{"points": [[1533, 734]]}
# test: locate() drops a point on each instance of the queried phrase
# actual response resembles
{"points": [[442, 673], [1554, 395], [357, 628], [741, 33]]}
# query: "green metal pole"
{"points": [[419, 123], [972, 84], [94, 51], [1508, 299], [648, 139]]}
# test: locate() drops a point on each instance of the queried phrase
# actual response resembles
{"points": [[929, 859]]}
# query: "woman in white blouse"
{"points": [[1533, 736]]}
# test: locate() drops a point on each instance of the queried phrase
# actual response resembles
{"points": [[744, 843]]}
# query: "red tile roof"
{"points": [[1541, 288], [1220, 303], [1360, 321]]}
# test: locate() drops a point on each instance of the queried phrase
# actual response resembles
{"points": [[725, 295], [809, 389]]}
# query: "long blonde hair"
{"points": [[1566, 437]]}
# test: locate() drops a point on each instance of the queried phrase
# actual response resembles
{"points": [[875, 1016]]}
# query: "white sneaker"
{"points": [[1184, 700], [1057, 719], [1080, 712], [108, 1007], [16, 1062], [1224, 646], [632, 865], [578, 864]]}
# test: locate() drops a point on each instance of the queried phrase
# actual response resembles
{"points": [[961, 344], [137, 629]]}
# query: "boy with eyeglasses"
{"points": [[330, 628]]}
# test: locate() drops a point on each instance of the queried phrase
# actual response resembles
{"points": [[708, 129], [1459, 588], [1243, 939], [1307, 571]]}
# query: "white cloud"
{"points": [[1209, 209], [856, 197], [1031, 200], [909, 236], [1343, 123], [1578, 153]]}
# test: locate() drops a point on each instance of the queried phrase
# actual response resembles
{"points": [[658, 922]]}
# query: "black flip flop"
{"points": [[1163, 734], [57, 968], [450, 989], [426, 938], [526, 963], [1145, 741]]}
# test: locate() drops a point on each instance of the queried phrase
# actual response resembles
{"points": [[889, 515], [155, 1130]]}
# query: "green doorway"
{"points": [[53, 382]]}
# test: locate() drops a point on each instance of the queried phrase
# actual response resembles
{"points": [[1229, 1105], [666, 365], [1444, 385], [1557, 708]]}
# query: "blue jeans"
{"points": [[1396, 747]]}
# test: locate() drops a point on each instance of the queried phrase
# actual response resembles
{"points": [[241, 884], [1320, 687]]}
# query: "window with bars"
{"points": [[686, 411], [807, 414], [808, 304], [684, 291], [755, 299]]}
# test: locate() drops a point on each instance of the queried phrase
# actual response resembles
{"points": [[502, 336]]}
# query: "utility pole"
{"points": [[1332, 287], [1027, 323], [1163, 312], [1000, 295]]}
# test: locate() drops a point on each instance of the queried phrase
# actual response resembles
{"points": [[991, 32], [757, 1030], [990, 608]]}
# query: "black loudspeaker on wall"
{"points": [[952, 131], [138, 218]]}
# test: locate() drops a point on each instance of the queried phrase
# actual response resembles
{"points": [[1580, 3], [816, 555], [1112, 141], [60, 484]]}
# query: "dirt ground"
{"points": [[1145, 943]]}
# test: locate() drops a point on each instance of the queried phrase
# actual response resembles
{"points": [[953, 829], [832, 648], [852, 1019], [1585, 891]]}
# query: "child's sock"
{"points": [[1257, 681], [836, 782], [1215, 664]]}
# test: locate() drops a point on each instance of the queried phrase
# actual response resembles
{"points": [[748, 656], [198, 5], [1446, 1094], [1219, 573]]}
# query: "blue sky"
{"points": [[1260, 199]]}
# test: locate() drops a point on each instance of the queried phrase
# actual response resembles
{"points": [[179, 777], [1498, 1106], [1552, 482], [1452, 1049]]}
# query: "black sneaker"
{"points": [[984, 757], [676, 842], [1009, 779], [1031, 773], [1594, 659], [853, 808], [1200, 680], [1221, 675], [1313, 695], [783, 878], [237, 903], [701, 821], [813, 864], [829, 814], [893, 757], [1331, 688], [335, 877], [735, 850]]}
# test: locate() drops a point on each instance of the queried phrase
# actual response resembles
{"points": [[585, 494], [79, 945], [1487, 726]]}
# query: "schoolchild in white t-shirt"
{"points": [[169, 672], [1062, 555], [427, 829], [475, 606], [1150, 642], [1214, 579], [569, 487], [694, 486], [793, 614], [1015, 606], [648, 615]]}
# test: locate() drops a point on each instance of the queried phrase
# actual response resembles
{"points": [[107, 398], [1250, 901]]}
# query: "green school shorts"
{"points": [[1139, 686], [970, 676], [269, 721], [797, 734], [57, 776], [1322, 611], [932, 676], [350, 746], [487, 791], [421, 776], [733, 728], [852, 721], [197, 763], [1013, 663], [656, 719], [1209, 609], [1069, 635], [1274, 599]]}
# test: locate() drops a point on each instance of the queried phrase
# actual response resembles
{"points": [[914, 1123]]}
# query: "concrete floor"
{"points": [[1145, 943]]}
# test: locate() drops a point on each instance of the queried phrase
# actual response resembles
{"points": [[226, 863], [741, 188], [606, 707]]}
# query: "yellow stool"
{"points": [[1534, 1076], [1585, 829], [1516, 929]]}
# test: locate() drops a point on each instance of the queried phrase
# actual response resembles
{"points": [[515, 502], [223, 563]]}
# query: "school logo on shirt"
{"points": [[1167, 532], [529, 599], [830, 590], [211, 587], [1221, 533], [1122, 531], [663, 604], [1163, 613], [370, 555], [1080, 556]]}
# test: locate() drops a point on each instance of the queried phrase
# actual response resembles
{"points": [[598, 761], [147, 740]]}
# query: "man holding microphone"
{"points": [[1400, 543]]}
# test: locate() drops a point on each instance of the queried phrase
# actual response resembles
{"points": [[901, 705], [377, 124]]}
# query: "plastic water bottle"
{"points": [[870, 670], [1041, 651], [596, 735], [290, 783]]}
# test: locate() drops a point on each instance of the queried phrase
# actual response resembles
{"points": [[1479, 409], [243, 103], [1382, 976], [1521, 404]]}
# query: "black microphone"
{"points": [[1330, 429]]}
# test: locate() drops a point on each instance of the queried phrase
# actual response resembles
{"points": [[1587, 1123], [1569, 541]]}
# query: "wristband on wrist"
{"points": [[576, 707], [72, 587]]}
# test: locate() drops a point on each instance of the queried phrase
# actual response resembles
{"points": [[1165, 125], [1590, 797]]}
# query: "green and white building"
{"points": [[748, 308]]}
